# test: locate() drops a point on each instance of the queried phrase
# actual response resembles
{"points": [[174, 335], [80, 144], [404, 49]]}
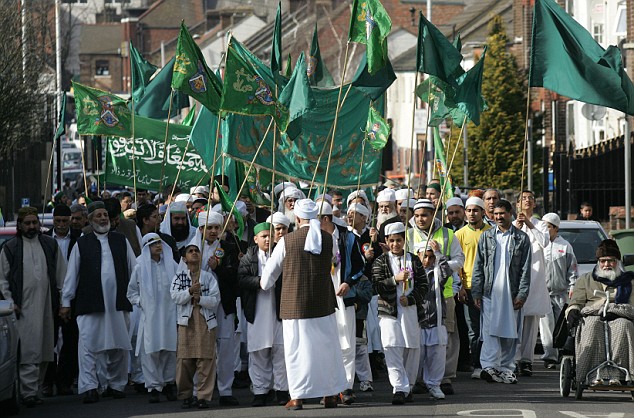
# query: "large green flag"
{"points": [[191, 74], [370, 24], [567, 60], [288, 71], [141, 72], [373, 85], [246, 92], [297, 97], [435, 55], [317, 72], [468, 99], [155, 102], [441, 165], [439, 95], [377, 129], [61, 120], [101, 113], [276, 46], [226, 204]]}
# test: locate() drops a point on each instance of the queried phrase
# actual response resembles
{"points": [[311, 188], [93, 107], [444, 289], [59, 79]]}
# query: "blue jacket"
{"points": [[519, 270]]}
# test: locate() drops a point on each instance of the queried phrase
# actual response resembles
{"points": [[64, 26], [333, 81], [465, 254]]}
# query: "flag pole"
{"points": [[83, 163], [49, 174], [134, 155], [167, 128], [365, 139], [180, 166], [528, 104], [411, 145]]}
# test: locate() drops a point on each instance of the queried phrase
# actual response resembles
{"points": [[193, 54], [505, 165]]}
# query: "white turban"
{"points": [[359, 208], [183, 197], [454, 201], [394, 228], [278, 218], [409, 203], [210, 218], [199, 190], [307, 209], [324, 208], [424, 204], [404, 194], [386, 195], [178, 207], [277, 189], [475, 201]]}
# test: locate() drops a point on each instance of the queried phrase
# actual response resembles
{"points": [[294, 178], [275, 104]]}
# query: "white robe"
{"points": [[538, 300], [107, 330], [266, 330]]}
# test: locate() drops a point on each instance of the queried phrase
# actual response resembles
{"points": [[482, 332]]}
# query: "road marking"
{"points": [[525, 413], [578, 415]]}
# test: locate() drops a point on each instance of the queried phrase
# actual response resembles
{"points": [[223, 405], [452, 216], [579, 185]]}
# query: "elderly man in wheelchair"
{"points": [[601, 363]]}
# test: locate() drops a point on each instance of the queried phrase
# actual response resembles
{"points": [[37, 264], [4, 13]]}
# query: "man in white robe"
{"points": [[176, 224], [32, 269], [307, 309], [97, 279]]}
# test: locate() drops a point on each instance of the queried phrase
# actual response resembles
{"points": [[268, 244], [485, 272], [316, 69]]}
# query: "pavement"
{"points": [[536, 396]]}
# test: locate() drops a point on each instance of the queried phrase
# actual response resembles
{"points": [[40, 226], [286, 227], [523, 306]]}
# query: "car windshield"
{"points": [[584, 242]]}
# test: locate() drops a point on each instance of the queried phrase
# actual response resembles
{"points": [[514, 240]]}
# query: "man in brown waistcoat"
{"points": [[307, 309]]}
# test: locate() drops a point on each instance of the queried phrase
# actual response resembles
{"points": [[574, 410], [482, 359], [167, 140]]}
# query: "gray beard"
{"points": [[611, 275], [290, 215], [382, 217], [100, 229]]}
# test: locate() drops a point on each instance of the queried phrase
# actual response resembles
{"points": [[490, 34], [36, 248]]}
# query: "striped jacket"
{"points": [[384, 285]]}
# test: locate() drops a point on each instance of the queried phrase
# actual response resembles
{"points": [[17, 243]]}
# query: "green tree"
{"points": [[496, 145]]}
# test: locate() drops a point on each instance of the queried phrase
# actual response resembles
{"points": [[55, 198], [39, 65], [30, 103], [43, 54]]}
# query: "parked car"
{"points": [[9, 353], [584, 236], [6, 233]]}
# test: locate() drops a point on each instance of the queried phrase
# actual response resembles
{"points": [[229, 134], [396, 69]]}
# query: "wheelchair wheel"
{"points": [[565, 376], [579, 391]]}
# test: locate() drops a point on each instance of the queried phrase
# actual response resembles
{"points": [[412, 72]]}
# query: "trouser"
{"points": [[464, 358], [526, 350], [547, 326], [498, 353], [136, 366], [204, 369], [267, 370], [228, 351], [65, 370], [453, 342], [348, 354], [472, 318], [31, 375], [159, 369], [433, 363], [103, 369], [402, 367], [373, 330], [362, 363]]}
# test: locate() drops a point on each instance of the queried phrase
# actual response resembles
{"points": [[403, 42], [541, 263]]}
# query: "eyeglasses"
{"points": [[607, 260]]}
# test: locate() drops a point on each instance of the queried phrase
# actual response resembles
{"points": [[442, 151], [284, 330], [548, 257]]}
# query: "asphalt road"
{"points": [[536, 396]]}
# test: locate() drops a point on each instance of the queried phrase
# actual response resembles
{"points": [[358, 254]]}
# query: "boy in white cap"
{"points": [[149, 291], [400, 281], [280, 225]]}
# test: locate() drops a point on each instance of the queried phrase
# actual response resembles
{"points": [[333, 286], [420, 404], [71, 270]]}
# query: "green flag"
{"points": [[441, 165], [439, 95], [370, 24], [226, 207], [61, 121], [377, 129], [276, 47], [373, 85], [101, 113], [155, 103], [317, 72], [567, 60], [191, 117], [435, 55], [468, 100], [255, 181], [141, 72], [297, 97], [289, 67], [191, 74], [246, 92]]}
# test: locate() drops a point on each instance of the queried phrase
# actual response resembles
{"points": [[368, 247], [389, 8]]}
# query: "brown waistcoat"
{"points": [[307, 290]]}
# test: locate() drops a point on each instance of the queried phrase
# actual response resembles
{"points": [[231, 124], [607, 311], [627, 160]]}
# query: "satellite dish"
{"points": [[593, 112]]}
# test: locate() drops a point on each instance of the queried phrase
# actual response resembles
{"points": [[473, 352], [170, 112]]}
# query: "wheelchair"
{"points": [[567, 371]]}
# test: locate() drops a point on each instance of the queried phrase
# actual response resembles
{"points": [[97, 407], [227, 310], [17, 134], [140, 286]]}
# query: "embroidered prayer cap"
{"points": [[608, 248], [356, 194], [552, 218], [149, 239], [26, 211], [424, 204], [404, 194], [359, 208], [61, 210], [278, 218], [263, 226], [434, 186], [324, 208], [97, 204], [408, 203], [183, 197], [178, 207], [386, 195], [394, 228], [454, 201], [210, 218], [476, 201]]}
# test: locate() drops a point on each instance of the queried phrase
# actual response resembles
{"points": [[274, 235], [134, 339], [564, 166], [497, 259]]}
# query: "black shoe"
{"points": [[447, 389], [229, 401], [188, 403], [398, 398], [282, 397], [203, 404], [117, 394], [419, 388], [31, 401], [154, 396], [347, 397], [140, 388], [91, 396], [550, 364], [409, 398], [526, 369], [241, 380], [259, 400], [107, 393]]}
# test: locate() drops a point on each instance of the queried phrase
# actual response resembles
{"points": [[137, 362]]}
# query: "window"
{"points": [[620, 25], [597, 32], [570, 7], [102, 68]]}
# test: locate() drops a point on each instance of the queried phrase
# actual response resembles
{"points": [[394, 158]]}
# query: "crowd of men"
{"points": [[169, 298]]}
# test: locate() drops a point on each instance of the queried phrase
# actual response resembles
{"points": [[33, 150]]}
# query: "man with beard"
{"points": [[607, 276], [455, 214], [386, 202], [287, 203], [32, 269], [97, 280], [78, 219], [148, 221], [491, 198], [177, 224]]}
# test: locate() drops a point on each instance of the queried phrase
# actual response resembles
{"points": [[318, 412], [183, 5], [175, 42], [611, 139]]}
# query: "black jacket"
{"points": [[249, 282]]}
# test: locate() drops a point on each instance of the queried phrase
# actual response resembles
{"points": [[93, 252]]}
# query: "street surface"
{"points": [[536, 396]]}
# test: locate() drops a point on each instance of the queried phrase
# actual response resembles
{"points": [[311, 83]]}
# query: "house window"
{"points": [[102, 68], [570, 7], [597, 32], [620, 26]]}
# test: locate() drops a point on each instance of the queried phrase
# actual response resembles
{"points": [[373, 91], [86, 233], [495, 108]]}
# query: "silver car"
{"points": [[9, 345], [584, 236]]}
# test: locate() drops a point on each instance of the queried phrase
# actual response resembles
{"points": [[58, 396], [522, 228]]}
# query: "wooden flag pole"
{"points": [[49, 175], [83, 164], [167, 127], [528, 104], [134, 150], [180, 166], [411, 146], [211, 183], [365, 139]]}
